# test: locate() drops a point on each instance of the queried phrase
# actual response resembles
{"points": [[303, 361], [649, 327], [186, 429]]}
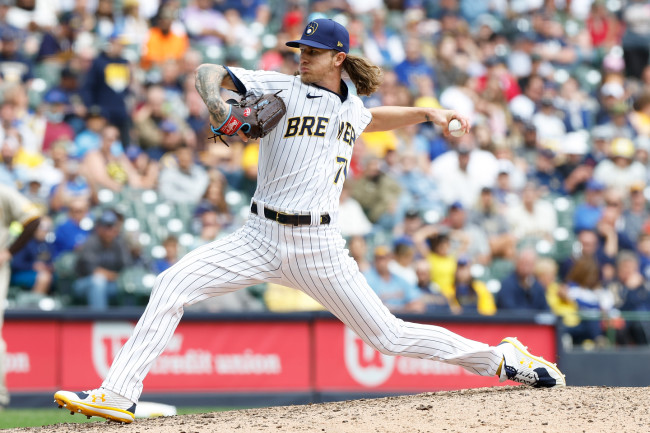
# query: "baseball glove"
{"points": [[254, 115]]}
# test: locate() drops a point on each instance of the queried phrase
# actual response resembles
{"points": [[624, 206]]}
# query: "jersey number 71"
{"points": [[343, 167]]}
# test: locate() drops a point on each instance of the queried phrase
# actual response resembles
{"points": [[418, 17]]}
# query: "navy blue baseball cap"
{"points": [[324, 33]]}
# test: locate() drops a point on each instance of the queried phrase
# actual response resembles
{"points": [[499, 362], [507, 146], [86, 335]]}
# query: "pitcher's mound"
{"points": [[499, 409]]}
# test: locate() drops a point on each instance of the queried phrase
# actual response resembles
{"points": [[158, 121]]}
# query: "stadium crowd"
{"points": [[541, 208]]}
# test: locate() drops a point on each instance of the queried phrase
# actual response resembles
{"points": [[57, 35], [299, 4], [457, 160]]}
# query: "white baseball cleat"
{"points": [[97, 402], [520, 366]]}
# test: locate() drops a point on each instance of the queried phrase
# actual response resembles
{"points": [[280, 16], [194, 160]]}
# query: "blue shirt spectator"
{"points": [[588, 213], [396, 293], [521, 290], [71, 233]]}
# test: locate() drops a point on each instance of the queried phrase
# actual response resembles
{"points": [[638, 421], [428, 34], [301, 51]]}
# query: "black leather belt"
{"points": [[289, 219]]}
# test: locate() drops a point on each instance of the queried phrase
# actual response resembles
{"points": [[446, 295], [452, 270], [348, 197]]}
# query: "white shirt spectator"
{"points": [[464, 186], [356, 222], [541, 222], [618, 177]]}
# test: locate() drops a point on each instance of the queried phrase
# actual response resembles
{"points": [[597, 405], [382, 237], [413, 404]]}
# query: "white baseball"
{"points": [[455, 128]]}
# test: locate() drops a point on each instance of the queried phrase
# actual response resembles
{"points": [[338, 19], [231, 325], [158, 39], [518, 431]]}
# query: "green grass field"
{"points": [[13, 418]]}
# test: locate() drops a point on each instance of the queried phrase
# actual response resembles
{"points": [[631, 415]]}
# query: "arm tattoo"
{"points": [[208, 80]]}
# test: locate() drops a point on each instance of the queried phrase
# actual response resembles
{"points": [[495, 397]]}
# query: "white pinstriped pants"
{"points": [[310, 258]]}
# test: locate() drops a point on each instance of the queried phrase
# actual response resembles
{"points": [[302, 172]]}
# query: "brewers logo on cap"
{"points": [[311, 28]]}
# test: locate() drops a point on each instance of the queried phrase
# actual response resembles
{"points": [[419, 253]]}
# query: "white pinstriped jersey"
{"points": [[304, 160]]}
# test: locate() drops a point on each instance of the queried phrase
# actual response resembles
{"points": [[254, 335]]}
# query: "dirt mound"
{"points": [[505, 409]]}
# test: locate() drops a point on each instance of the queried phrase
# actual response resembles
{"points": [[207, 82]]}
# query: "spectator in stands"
{"points": [[557, 297], [433, 299], [635, 213], [396, 293], [357, 223], [377, 193], [632, 295], [533, 218], [588, 213], [171, 255], [148, 169], [466, 238], [403, 259], [209, 228], [358, 248], [442, 263], [521, 290], [636, 39], [72, 186], [593, 300], [620, 170], [488, 217], [413, 65], [55, 128], [588, 244], [99, 262], [163, 42], [382, 46], [71, 233], [462, 173], [575, 171], [107, 85], [471, 295], [609, 224], [90, 137], [184, 182], [214, 198], [10, 173], [643, 249], [421, 191], [14, 208], [109, 167], [546, 174], [31, 267], [15, 67], [283, 299], [205, 25]]}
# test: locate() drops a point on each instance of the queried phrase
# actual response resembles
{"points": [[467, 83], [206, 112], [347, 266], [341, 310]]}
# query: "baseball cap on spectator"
{"points": [[463, 261], [56, 96], [457, 205], [94, 111], [621, 147], [132, 152], [326, 34], [613, 89], [594, 185], [637, 186], [505, 166], [412, 213], [642, 143], [547, 102], [494, 60], [486, 189], [108, 218], [575, 143], [168, 126], [602, 132], [546, 152], [381, 251], [619, 107], [403, 241]]}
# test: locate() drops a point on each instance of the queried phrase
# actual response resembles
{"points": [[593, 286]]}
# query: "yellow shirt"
{"points": [[443, 270], [378, 143], [568, 310], [283, 299]]}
